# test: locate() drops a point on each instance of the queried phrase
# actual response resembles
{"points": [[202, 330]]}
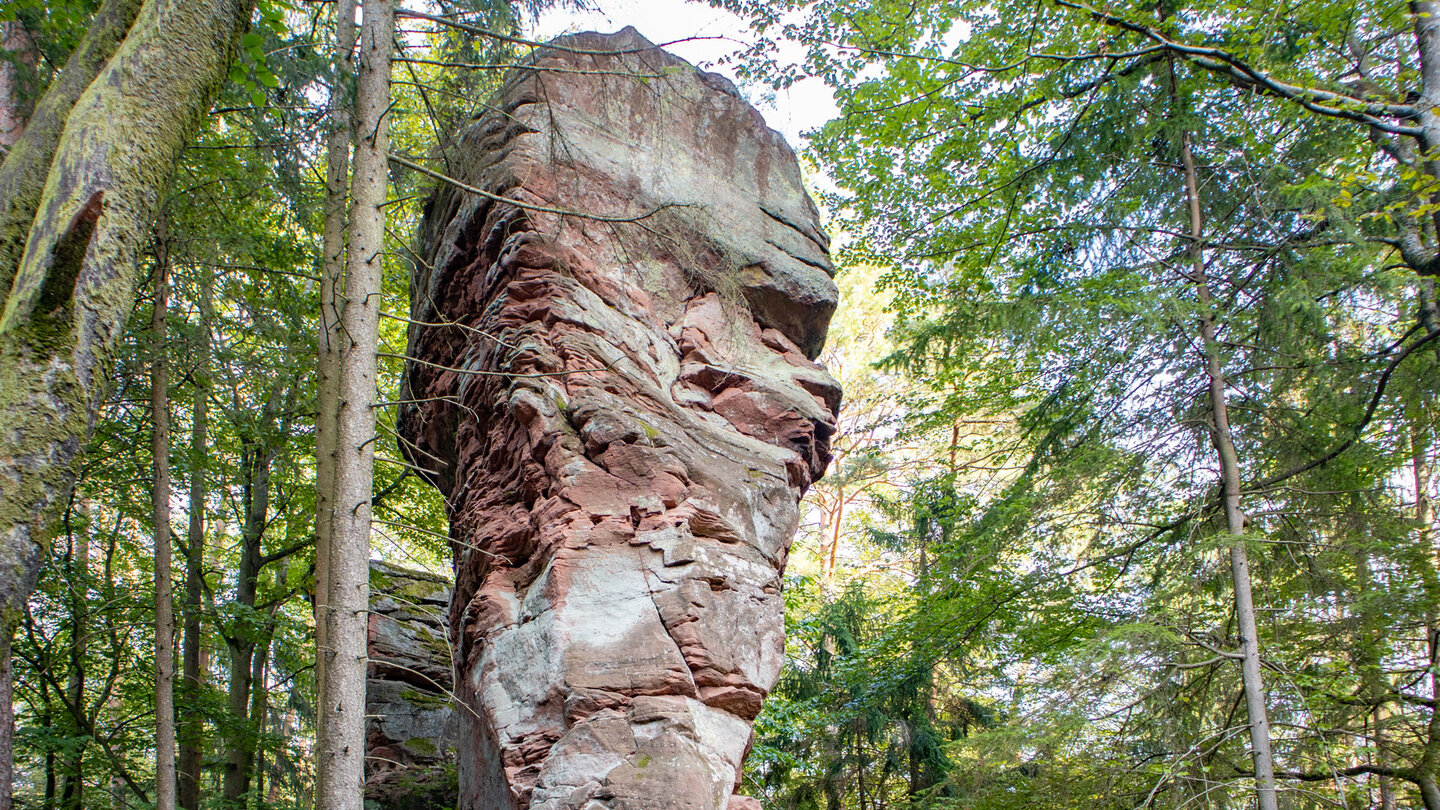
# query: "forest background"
{"points": [[1139, 344]]}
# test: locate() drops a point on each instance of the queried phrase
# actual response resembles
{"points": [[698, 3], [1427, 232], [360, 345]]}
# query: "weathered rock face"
{"points": [[412, 731], [622, 417]]}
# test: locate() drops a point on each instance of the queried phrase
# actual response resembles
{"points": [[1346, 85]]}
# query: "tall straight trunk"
{"points": [[837, 519], [72, 793], [1224, 444], [259, 710], [191, 730], [160, 503], [860, 761], [332, 267], [1425, 521], [47, 722], [78, 193], [1368, 662], [1425, 17], [343, 713], [119, 794], [240, 747]]}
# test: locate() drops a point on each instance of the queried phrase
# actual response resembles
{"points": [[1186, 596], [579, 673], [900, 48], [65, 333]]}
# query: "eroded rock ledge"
{"points": [[622, 416]]}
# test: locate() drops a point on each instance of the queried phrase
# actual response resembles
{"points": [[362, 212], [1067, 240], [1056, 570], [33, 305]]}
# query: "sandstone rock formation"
{"points": [[412, 730], [622, 411]]}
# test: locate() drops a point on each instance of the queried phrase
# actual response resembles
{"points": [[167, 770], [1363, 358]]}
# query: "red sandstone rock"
{"points": [[622, 417]]}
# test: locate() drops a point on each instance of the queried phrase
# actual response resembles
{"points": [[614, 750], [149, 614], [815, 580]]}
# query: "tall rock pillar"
{"points": [[613, 385]]}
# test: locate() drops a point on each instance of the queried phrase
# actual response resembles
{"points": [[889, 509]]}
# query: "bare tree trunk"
{"points": [[191, 729], [337, 185], [1425, 519], [118, 793], [72, 791], [115, 706], [16, 80], [7, 721], [1425, 15], [343, 713], [838, 517], [239, 751], [48, 723], [160, 503], [240, 747], [79, 190], [259, 711], [860, 761], [1230, 489]]}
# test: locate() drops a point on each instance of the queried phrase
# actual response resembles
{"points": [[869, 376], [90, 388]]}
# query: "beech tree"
{"points": [[80, 189]]}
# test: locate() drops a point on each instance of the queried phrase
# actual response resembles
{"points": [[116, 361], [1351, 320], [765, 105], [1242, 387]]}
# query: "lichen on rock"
{"points": [[622, 409], [412, 730]]}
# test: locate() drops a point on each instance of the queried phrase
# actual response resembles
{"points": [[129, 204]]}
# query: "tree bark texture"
{"points": [[7, 723], [342, 760], [160, 505], [257, 460], [327, 366], [1429, 766], [28, 163]]}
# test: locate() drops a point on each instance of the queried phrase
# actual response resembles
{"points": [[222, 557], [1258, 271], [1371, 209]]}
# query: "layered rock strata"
{"points": [[614, 388], [411, 730]]}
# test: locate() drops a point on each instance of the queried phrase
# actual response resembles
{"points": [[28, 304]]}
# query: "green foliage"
{"points": [[1015, 169]]}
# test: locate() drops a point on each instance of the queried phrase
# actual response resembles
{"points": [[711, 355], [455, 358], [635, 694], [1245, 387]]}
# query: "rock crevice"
{"points": [[622, 416]]}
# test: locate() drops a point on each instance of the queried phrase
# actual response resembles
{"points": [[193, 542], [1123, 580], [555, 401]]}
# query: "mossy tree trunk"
{"points": [[78, 194]]}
